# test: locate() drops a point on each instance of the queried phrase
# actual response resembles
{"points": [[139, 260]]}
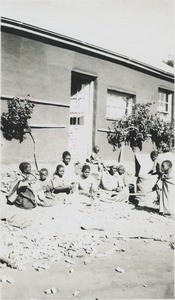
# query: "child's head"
{"points": [[112, 169], [43, 174], [166, 166], [96, 149], [66, 157], [25, 167], [121, 169], [154, 154], [86, 171], [60, 170]]}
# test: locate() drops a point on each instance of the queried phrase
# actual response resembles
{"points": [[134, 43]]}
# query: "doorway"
{"points": [[81, 116]]}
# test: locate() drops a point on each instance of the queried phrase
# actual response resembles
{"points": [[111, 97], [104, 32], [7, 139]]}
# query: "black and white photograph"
{"points": [[87, 199]]}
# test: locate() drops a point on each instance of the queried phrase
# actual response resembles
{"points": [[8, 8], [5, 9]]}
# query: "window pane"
{"points": [[164, 105], [118, 105]]}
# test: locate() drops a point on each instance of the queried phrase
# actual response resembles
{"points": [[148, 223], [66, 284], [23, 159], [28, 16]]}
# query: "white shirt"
{"points": [[86, 184], [69, 172]]}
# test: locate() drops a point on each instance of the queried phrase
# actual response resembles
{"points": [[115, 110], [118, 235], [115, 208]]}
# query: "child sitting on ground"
{"points": [[166, 187], [121, 178], [22, 193], [87, 185], [108, 179], [60, 184], [46, 183], [114, 183], [69, 169]]}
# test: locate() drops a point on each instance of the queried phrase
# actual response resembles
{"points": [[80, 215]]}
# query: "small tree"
{"points": [[14, 123], [169, 62], [141, 126]]}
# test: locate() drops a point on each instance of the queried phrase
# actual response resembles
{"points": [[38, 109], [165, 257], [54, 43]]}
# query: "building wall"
{"points": [[44, 72]]}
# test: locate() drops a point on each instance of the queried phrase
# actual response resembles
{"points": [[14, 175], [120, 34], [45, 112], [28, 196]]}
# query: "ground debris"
{"points": [[71, 262], [52, 290], [7, 279], [10, 264], [120, 270], [171, 245], [76, 293]]}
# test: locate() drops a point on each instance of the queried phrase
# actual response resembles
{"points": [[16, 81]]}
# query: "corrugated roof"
{"points": [[157, 68]]}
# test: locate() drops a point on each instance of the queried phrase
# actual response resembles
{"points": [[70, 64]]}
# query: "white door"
{"points": [[81, 115]]}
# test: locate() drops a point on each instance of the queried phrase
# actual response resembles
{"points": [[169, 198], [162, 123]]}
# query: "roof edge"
{"points": [[10, 23]]}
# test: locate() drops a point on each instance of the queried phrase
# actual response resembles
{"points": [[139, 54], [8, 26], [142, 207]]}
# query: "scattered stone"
{"points": [[40, 266], [171, 245], [71, 271], [21, 268], [87, 261], [5, 279], [71, 262], [120, 270], [120, 250], [48, 291], [53, 290], [76, 293], [10, 280]]}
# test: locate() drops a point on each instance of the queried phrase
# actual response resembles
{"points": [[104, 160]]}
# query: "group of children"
{"points": [[29, 190]]}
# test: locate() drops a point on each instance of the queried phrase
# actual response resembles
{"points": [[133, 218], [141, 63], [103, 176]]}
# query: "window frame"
{"points": [[168, 104], [125, 94]]}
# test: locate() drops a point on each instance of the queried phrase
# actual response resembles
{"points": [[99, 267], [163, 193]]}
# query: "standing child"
{"points": [[167, 189], [156, 168]]}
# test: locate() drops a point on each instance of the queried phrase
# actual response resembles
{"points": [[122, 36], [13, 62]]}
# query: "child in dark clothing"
{"points": [[22, 193]]}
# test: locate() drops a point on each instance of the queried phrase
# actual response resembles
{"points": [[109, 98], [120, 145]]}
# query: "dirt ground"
{"points": [[107, 250]]}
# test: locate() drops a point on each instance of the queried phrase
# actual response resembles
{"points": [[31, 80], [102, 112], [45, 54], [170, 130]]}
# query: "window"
{"points": [[164, 107], [118, 105]]}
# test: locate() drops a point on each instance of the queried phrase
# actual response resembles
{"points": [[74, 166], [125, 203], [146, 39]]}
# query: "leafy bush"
{"points": [[141, 126], [14, 123], [162, 135]]}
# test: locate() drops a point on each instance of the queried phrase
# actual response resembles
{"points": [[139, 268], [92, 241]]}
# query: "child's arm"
{"points": [[59, 187]]}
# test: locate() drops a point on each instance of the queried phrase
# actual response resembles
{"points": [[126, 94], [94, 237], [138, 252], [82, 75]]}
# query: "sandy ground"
{"points": [[77, 249]]}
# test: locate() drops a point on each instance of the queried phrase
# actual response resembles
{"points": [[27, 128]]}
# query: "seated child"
{"points": [[108, 179], [121, 178], [45, 183], [166, 187], [60, 183], [115, 183], [87, 185], [22, 193], [95, 158], [69, 169]]}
